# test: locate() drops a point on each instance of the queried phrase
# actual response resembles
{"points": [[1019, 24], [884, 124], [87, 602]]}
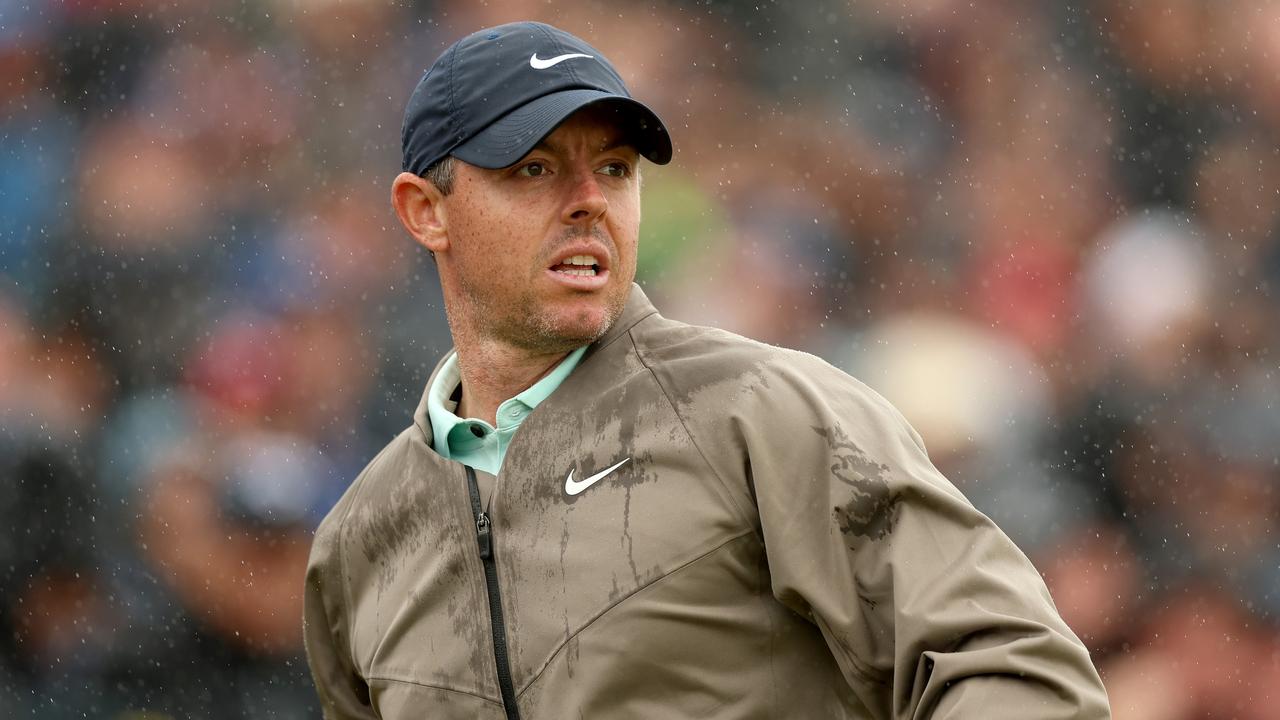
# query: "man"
{"points": [[602, 513]]}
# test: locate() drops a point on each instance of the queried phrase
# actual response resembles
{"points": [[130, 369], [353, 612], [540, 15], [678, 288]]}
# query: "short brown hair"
{"points": [[441, 174]]}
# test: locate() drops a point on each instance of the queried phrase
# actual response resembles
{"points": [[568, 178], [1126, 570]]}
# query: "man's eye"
{"points": [[616, 169], [533, 169]]}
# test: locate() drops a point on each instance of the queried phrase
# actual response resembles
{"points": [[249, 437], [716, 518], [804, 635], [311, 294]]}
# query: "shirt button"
{"points": [[514, 412]]}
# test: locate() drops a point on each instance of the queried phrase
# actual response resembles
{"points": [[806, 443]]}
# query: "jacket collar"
{"points": [[637, 308]]}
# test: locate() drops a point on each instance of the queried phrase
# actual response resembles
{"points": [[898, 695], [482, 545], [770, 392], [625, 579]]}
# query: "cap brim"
{"points": [[512, 136]]}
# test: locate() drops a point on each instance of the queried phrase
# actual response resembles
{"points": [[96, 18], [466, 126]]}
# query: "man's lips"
{"points": [[582, 266], [579, 276], [581, 255]]}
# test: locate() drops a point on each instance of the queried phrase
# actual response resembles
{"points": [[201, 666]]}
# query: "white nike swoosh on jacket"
{"points": [[573, 488]]}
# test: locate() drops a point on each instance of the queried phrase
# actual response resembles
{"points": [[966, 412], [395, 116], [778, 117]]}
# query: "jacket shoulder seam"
{"points": [[745, 513]]}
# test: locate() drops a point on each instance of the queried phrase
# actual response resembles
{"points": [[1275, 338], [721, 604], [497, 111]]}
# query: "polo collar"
{"points": [[462, 435]]}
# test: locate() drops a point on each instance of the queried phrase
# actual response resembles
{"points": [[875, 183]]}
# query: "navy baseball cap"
{"points": [[496, 93]]}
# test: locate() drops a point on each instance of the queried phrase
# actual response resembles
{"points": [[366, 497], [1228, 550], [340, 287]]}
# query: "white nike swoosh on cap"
{"points": [[573, 488], [539, 64]]}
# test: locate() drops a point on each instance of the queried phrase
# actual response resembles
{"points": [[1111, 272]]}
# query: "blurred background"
{"points": [[1049, 232]]}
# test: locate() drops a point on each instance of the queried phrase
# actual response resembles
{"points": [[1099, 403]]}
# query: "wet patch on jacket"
{"points": [[398, 527], [386, 533], [589, 424], [697, 365], [470, 625], [869, 513], [565, 559], [408, 552]]}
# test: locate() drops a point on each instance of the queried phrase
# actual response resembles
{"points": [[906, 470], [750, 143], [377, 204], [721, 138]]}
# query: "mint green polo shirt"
{"points": [[474, 442]]}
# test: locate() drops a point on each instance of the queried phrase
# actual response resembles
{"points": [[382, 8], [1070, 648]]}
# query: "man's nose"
{"points": [[586, 203]]}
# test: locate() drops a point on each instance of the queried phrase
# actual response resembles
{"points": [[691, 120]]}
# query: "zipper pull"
{"points": [[485, 536]]}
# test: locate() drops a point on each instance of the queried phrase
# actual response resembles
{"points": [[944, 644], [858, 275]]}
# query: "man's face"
{"points": [[543, 252]]}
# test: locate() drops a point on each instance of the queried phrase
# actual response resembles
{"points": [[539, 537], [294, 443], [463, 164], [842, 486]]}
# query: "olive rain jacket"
{"points": [[775, 544]]}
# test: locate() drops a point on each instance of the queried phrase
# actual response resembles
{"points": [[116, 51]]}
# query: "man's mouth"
{"points": [[580, 265]]}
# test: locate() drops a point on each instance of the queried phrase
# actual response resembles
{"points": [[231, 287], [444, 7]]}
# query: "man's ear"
{"points": [[420, 207]]}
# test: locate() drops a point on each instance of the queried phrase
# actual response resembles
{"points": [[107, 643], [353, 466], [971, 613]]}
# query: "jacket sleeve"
{"points": [[343, 693], [929, 609]]}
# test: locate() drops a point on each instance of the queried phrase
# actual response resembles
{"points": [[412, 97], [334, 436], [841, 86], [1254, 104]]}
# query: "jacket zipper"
{"points": [[484, 536]]}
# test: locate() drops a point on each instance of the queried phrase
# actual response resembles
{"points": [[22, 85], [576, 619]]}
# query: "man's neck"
{"points": [[494, 373]]}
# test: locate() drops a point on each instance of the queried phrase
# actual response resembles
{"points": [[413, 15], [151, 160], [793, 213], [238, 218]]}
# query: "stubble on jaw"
{"points": [[536, 332], [560, 341], [523, 324]]}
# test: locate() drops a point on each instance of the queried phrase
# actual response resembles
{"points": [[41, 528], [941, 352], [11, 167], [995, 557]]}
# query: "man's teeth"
{"points": [[579, 265]]}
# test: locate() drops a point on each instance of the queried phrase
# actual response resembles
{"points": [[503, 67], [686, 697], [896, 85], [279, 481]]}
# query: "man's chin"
{"points": [[572, 328], [579, 330]]}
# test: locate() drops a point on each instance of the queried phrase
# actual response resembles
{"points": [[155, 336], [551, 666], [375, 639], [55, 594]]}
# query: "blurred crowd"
{"points": [[1048, 232]]}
